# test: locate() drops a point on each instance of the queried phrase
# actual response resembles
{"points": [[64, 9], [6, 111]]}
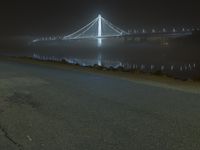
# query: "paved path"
{"points": [[46, 108]]}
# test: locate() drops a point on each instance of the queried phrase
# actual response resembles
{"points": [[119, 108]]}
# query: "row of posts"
{"points": [[127, 66], [143, 67], [46, 58]]}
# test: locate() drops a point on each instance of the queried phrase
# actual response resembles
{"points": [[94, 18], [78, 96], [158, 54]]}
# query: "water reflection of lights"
{"points": [[99, 42]]}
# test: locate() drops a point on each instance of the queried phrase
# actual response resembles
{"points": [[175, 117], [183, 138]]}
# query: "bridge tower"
{"points": [[99, 39], [99, 26]]}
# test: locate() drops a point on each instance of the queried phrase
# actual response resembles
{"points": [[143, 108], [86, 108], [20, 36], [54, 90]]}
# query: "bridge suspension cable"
{"points": [[120, 31], [101, 25], [88, 25]]}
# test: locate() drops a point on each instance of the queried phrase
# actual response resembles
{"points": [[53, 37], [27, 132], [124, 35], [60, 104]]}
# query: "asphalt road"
{"points": [[46, 108]]}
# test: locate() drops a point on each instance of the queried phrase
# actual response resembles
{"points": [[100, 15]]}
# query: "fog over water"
{"points": [[175, 55]]}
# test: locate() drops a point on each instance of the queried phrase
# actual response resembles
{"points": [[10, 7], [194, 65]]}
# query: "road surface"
{"points": [[47, 108]]}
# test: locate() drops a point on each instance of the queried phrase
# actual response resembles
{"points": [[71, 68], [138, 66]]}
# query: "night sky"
{"points": [[47, 17]]}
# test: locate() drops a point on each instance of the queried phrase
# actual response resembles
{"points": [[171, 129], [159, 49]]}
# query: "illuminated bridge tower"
{"points": [[99, 31], [105, 29], [99, 39]]}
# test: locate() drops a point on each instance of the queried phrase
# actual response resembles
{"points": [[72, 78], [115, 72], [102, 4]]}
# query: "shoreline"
{"points": [[162, 81]]}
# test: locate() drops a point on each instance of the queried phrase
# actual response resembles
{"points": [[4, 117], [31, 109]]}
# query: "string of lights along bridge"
{"points": [[100, 28]]}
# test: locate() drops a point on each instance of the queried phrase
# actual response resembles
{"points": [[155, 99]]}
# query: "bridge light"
{"points": [[153, 30]]}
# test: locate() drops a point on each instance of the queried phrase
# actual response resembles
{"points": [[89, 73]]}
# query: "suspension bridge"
{"points": [[100, 28]]}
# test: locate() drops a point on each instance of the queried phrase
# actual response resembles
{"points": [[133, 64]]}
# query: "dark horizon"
{"points": [[64, 17]]}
